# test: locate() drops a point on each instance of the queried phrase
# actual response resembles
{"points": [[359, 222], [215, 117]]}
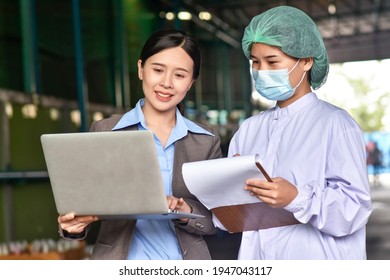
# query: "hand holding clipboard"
{"points": [[218, 184]]}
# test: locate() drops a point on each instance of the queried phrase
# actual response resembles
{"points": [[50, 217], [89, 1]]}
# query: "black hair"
{"points": [[171, 38]]}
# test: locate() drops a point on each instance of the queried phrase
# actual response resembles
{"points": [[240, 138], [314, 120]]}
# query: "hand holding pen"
{"points": [[275, 192]]}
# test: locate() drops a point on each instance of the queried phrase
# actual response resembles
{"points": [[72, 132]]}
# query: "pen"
{"points": [[264, 172]]}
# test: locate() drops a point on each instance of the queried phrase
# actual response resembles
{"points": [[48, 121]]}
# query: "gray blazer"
{"points": [[114, 237]]}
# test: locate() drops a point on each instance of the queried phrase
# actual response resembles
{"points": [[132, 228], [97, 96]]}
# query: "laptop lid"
{"points": [[113, 175]]}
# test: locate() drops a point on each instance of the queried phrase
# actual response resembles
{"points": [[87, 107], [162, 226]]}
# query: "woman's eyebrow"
{"points": [[271, 56], [265, 57], [163, 65]]}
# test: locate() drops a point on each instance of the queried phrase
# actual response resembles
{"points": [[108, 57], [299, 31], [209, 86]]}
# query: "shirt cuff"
{"points": [[65, 234], [300, 200]]}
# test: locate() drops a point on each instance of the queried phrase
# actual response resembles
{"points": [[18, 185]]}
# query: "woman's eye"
{"points": [[158, 70], [180, 75]]}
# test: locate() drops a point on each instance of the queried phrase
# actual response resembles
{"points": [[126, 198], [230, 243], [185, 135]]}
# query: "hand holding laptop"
{"points": [[179, 204], [74, 224]]}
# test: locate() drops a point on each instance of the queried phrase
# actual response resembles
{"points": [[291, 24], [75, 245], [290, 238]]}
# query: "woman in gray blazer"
{"points": [[168, 66]]}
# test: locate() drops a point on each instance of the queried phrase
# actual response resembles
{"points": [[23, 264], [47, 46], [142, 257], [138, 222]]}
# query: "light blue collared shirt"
{"points": [[156, 239]]}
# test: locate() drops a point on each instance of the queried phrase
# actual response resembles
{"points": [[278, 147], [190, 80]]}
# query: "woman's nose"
{"points": [[166, 82]]}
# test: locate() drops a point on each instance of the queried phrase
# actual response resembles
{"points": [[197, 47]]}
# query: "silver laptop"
{"points": [[114, 175]]}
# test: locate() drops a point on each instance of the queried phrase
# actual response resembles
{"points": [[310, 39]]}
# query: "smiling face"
{"points": [[166, 78]]}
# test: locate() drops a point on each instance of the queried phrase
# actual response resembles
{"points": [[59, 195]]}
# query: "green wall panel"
{"points": [[25, 145], [33, 212], [2, 218], [35, 215]]}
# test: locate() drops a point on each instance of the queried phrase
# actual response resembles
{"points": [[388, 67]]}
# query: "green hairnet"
{"points": [[295, 33]]}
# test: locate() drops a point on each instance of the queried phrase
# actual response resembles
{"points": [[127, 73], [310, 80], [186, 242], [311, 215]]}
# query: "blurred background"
{"points": [[66, 63]]}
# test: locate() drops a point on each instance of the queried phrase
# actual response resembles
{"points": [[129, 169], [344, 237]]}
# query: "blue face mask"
{"points": [[274, 84]]}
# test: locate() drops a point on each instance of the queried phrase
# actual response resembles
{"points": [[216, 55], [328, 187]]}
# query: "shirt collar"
{"points": [[133, 117], [183, 125], [296, 106]]}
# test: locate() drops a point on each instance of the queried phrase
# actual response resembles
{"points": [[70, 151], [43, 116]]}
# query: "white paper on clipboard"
{"points": [[220, 182]]}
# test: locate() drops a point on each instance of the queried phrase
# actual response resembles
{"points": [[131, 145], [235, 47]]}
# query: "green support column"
{"points": [[4, 165], [121, 73], [29, 48], [227, 86], [246, 88], [81, 84], [220, 51]]}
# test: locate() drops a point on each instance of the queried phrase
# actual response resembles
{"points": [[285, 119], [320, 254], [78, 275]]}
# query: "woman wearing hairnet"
{"points": [[314, 151]]}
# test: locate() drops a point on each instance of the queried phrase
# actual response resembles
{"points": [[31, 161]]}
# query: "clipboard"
{"points": [[253, 216], [219, 185]]}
